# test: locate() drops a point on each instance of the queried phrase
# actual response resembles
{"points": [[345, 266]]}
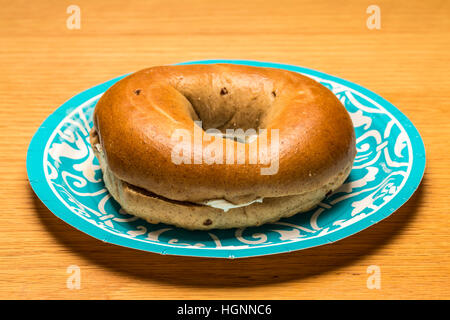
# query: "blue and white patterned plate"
{"points": [[389, 165]]}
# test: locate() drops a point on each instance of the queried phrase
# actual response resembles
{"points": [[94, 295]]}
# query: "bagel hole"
{"points": [[229, 101], [227, 109]]}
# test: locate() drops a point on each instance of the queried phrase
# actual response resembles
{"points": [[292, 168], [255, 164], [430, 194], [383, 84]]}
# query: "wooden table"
{"points": [[43, 63]]}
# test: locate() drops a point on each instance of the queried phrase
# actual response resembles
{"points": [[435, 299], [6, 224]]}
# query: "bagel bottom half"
{"points": [[193, 216]]}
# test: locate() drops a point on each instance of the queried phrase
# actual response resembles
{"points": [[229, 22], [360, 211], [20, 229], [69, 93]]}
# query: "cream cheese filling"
{"points": [[226, 205]]}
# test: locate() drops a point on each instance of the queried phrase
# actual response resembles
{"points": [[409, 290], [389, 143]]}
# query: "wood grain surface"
{"points": [[43, 64]]}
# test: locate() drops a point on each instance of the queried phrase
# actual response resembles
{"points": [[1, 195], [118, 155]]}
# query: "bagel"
{"points": [[162, 138]]}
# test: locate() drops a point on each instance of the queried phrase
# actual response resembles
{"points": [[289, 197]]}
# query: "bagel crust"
{"points": [[136, 119]]}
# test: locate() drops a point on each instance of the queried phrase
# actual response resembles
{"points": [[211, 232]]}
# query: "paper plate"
{"points": [[389, 165]]}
